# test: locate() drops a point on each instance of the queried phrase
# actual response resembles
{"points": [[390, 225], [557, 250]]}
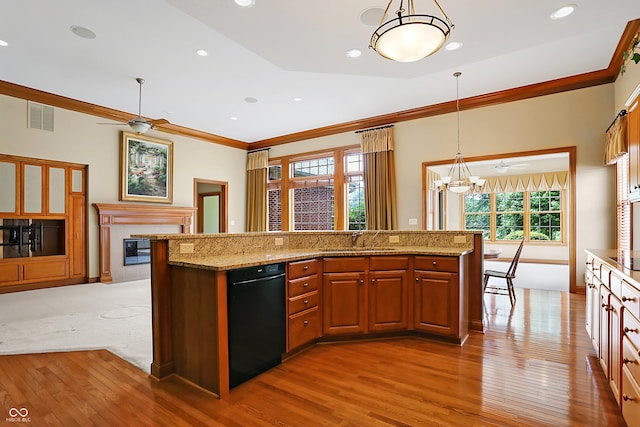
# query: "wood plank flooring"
{"points": [[534, 367]]}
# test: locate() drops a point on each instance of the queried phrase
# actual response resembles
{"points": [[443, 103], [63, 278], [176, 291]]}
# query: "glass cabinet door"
{"points": [[8, 186], [57, 190], [32, 197]]}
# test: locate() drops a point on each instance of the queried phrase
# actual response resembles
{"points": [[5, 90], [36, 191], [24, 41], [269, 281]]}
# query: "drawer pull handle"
{"points": [[625, 361], [627, 330], [306, 322], [305, 268], [306, 301], [306, 285], [606, 307], [624, 299], [627, 398]]}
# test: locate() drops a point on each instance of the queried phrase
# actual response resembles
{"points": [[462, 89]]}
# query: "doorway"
{"points": [[210, 198]]}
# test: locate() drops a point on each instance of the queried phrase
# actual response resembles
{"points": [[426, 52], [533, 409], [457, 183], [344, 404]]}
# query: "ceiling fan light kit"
{"points": [[410, 37]]}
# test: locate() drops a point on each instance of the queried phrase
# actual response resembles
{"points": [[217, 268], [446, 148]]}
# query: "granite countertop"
{"points": [[228, 262], [605, 256]]}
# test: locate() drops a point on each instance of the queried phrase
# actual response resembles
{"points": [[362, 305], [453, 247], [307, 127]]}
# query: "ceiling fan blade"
{"points": [[159, 122]]}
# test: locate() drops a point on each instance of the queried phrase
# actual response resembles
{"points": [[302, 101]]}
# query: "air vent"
{"points": [[40, 116]]}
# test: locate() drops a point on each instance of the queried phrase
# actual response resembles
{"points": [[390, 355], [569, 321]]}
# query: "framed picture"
{"points": [[146, 169]]}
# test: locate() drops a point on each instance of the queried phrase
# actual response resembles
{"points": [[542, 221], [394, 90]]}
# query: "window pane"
{"points": [[313, 208], [275, 172], [274, 200], [477, 203], [509, 226], [355, 197], [510, 202], [353, 163], [479, 222], [545, 219], [313, 167]]}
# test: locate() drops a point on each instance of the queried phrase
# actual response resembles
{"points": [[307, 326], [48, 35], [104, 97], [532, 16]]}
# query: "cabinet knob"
{"points": [[417, 279], [306, 285], [305, 268], [373, 280], [434, 263], [361, 281], [627, 398], [306, 322], [306, 301], [624, 299], [625, 361], [627, 330]]}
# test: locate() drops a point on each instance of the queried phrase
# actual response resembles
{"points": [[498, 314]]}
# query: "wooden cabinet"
{"points": [[303, 295], [388, 301], [615, 344], [437, 302], [592, 313], [633, 142], [343, 296], [42, 223]]}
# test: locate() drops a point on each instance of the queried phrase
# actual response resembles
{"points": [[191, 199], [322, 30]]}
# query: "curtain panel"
{"points": [[616, 145], [256, 214], [379, 179]]}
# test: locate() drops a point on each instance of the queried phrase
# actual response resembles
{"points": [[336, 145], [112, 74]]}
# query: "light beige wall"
{"points": [[78, 139], [576, 118]]}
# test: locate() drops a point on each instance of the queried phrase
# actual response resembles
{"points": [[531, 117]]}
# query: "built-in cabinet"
{"points": [[42, 223], [633, 142], [614, 328], [388, 299], [344, 305], [303, 296]]}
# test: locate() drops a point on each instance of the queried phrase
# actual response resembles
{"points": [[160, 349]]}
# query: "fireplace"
{"points": [[136, 251]]}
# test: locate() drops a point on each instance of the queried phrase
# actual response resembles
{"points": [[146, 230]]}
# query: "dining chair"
{"points": [[508, 277]]}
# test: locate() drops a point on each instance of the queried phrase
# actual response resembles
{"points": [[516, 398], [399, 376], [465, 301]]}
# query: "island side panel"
{"points": [[162, 364], [198, 343], [475, 271]]}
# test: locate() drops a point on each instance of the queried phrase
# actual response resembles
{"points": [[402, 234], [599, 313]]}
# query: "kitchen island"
{"points": [[340, 285]]}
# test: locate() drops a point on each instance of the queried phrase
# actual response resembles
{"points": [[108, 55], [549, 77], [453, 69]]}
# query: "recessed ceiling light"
{"points": [[453, 46], [354, 53], [85, 33], [3, 43], [245, 3], [250, 100], [297, 99], [371, 17], [234, 118], [202, 52], [564, 11]]}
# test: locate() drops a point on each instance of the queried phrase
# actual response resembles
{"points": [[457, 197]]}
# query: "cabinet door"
{"points": [[388, 301], [615, 343], [78, 236], [436, 297], [593, 314], [603, 341], [32, 184], [57, 197], [9, 187], [343, 303], [589, 302], [633, 141]]}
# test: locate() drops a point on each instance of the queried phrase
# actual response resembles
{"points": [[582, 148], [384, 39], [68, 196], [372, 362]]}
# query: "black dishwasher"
{"points": [[256, 304]]}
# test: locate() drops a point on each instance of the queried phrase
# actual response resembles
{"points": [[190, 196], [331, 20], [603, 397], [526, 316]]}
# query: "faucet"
{"points": [[354, 237]]}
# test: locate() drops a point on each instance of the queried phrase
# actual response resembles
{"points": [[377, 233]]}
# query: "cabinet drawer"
{"points": [[55, 269], [303, 285], [604, 274], [304, 327], [303, 302], [630, 399], [386, 263], [631, 358], [9, 273], [631, 328], [630, 298], [437, 263], [306, 267], [347, 264], [615, 284]]}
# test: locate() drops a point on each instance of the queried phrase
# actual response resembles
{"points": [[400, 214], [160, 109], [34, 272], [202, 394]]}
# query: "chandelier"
{"points": [[410, 37], [460, 180]]}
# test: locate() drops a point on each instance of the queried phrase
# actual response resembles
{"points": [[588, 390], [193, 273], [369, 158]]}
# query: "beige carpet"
{"points": [[116, 317]]}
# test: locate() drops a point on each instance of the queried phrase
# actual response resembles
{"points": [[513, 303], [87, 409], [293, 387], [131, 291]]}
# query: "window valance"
{"points": [[616, 145], [258, 160], [532, 182]]}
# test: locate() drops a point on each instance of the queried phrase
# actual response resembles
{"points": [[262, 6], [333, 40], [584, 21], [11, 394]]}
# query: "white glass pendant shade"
{"points": [[410, 41], [139, 125]]}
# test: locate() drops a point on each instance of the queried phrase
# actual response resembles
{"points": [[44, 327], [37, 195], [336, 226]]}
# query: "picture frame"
{"points": [[146, 169]]}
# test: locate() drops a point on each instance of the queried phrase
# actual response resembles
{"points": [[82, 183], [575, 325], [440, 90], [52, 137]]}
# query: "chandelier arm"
{"points": [[384, 15], [444, 14]]}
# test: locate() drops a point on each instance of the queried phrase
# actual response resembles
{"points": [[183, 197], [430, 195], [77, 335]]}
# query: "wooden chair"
{"points": [[508, 276]]}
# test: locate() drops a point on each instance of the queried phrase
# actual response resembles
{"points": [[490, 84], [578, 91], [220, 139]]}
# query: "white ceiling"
{"points": [[281, 49]]}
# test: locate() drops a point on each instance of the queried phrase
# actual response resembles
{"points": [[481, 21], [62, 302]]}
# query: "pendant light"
{"points": [[460, 180]]}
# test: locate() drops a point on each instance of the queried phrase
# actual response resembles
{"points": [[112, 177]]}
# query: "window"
{"points": [[545, 215], [534, 215], [509, 216], [274, 197], [623, 226], [313, 193], [354, 176], [478, 213]]}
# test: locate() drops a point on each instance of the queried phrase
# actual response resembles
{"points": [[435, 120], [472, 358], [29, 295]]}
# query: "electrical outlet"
{"points": [[279, 241], [413, 221], [394, 239], [186, 248], [459, 239]]}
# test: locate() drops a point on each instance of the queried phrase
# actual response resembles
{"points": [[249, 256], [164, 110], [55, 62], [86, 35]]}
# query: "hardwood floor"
{"points": [[533, 367]]}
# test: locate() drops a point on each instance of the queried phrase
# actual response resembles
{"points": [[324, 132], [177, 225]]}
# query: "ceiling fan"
{"points": [[503, 167], [139, 124]]}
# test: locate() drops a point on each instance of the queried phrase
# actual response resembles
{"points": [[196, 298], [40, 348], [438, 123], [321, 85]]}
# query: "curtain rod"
{"points": [[620, 114], [259, 149], [376, 128]]}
